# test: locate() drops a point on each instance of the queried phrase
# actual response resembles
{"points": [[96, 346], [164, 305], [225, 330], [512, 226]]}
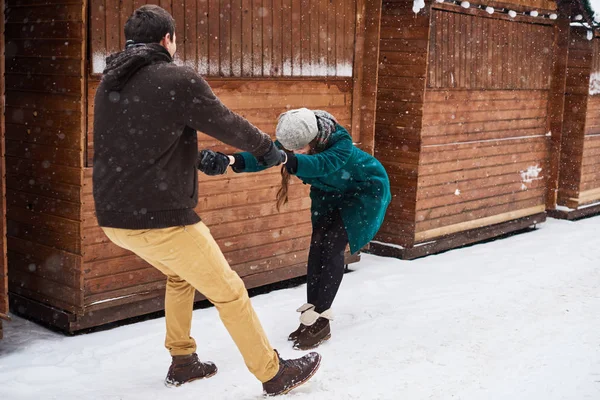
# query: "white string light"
{"points": [[511, 13]]}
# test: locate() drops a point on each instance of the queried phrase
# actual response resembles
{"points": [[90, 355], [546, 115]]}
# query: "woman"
{"points": [[350, 192]]}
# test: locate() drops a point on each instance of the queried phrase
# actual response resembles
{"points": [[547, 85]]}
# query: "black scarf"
{"points": [[121, 66]]}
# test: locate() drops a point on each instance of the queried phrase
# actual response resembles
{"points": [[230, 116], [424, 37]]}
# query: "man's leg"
{"points": [[179, 303], [192, 254]]}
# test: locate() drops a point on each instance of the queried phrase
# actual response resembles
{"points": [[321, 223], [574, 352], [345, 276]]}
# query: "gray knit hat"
{"points": [[296, 128]]}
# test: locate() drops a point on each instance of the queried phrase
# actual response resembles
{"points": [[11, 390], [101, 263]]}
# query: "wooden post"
{"points": [[3, 266], [556, 105], [366, 66]]}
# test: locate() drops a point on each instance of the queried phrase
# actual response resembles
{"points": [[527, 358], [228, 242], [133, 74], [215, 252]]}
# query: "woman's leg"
{"points": [[333, 245], [315, 265]]}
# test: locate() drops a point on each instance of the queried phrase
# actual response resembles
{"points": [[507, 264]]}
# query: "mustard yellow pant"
{"points": [[192, 260]]}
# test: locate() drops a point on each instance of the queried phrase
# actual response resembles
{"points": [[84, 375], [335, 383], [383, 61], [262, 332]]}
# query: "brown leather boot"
{"points": [[188, 368], [292, 373], [302, 309], [313, 335], [294, 335]]}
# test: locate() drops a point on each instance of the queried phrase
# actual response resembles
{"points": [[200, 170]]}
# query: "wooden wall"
{"points": [[484, 155], [580, 58], [590, 173], [262, 244], [295, 54], [3, 270], [400, 91], [44, 149], [243, 38], [462, 119]]}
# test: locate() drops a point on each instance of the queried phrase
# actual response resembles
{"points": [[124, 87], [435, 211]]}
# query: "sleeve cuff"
{"points": [[240, 163], [292, 163]]}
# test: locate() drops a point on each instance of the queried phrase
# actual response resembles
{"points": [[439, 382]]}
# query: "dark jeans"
{"points": [[326, 260]]}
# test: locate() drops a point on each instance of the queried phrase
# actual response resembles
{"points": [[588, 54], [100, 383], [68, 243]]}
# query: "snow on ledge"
{"points": [[568, 209], [595, 83]]}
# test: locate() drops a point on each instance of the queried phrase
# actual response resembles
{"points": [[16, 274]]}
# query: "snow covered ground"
{"points": [[514, 319]]}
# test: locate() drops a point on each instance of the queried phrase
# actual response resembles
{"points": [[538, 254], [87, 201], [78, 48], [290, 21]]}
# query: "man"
{"points": [[147, 112]]}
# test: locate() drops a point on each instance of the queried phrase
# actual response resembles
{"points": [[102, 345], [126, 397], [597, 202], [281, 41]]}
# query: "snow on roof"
{"points": [[593, 7]]}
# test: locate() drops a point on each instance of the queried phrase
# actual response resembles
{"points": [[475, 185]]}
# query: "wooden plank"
{"points": [[43, 204], [45, 291], [322, 66], [225, 38], [338, 45], [277, 36], [3, 245], [368, 90], [296, 47], [478, 223], [314, 37], [305, 25], [574, 215], [40, 312], [472, 194], [178, 12], [190, 34], [490, 115], [517, 164], [43, 136], [439, 214], [214, 48], [491, 161], [457, 240], [465, 151], [568, 152], [115, 17], [203, 39], [257, 44], [236, 38]]}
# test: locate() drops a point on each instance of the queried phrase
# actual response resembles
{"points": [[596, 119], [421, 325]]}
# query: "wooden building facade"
{"points": [[578, 184], [463, 121], [260, 57]]}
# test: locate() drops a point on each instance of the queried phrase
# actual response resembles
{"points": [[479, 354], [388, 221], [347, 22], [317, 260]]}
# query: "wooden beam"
{"points": [[574, 215], [478, 223], [556, 106], [575, 107], [365, 74], [3, 261], [457, 240]]}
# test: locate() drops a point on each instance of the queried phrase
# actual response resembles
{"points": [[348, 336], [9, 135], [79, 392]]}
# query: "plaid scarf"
{"points": [[327, 125]]}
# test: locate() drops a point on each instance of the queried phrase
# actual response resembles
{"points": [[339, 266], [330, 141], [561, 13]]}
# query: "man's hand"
{"points": [[213, 163], [273, 156]]}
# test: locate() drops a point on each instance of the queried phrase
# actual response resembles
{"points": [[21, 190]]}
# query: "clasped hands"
{"points": [[215, 163]]}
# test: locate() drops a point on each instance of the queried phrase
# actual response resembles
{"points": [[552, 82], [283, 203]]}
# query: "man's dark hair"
{"points": [[149, 24]]}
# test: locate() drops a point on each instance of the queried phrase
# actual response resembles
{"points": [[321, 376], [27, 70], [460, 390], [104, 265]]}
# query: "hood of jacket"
{"points": [[121, 66]]}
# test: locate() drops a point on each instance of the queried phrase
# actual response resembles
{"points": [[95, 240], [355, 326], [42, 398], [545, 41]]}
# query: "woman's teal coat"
{"points": [[345, 178]]}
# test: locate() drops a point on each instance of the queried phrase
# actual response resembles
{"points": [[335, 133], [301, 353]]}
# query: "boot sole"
{"points": [[174, 385], [302, 382], [314, 346]]}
